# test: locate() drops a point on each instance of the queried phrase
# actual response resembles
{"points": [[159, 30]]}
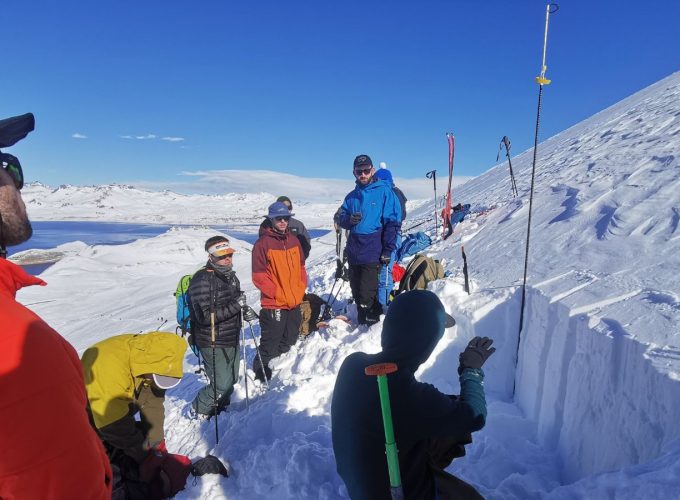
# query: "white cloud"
{"points": [[78, 135], [145, 137], [312, 189], [172, 139]]}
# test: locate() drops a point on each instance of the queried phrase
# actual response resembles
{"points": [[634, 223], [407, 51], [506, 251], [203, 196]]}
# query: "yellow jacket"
{"points": [[114, 369]]}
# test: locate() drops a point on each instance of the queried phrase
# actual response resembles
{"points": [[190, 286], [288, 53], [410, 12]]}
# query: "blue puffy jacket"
{"points": [[376, 234]]}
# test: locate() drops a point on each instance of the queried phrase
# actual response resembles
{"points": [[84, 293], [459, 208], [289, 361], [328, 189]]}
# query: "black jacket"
{"points": [[411, 330], [226, 289]]}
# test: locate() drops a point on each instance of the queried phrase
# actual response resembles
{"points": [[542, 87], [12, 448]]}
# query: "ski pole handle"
{"points": [[380, 371]]}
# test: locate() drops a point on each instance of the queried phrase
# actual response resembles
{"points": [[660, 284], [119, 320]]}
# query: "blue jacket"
{"points": [[376, 234]]}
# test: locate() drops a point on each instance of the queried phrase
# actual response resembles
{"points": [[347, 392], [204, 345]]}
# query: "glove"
{"points": [[165, 473], [355, 218], [242, 300], [385, 260], [476, 353], [249, 314], [339, 270]]}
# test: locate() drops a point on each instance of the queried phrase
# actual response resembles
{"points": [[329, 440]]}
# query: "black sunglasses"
{"points": [[365, 171], [279, 219], [12, 166]]}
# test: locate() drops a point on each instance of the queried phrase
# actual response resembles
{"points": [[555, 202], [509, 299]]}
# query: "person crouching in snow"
{"points": [[279, 273], [216, 288], [125, 375], [430, 428]]}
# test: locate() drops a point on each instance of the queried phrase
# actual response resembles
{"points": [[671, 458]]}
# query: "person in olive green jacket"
{"points": [[125, 375]]}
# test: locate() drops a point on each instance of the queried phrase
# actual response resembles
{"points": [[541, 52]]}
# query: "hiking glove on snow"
{"points": [[476, 353], [249, 314], [355, 218]]}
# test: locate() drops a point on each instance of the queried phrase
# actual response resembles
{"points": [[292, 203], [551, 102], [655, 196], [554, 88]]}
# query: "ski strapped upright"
{"points": [[551, 8], [446, 213], [505, 141]]}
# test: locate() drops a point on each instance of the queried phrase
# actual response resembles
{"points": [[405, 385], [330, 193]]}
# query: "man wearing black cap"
{"points": [[430, 428], [372, 213]]}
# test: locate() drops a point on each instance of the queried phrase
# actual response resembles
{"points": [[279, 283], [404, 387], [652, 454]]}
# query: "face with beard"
{"points": [[16, 228]]}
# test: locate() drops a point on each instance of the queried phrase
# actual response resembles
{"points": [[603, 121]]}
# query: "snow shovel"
{"points": [[380, 371]]}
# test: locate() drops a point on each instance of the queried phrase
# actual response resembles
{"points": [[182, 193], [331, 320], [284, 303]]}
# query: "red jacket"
{"points": [[48, 448], [279, 269]]}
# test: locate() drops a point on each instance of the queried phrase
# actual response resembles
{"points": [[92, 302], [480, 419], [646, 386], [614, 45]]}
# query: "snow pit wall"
{"points": [[595, 397]]}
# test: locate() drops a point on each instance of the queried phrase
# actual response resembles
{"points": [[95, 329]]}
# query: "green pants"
{"points": [[222, 378]]}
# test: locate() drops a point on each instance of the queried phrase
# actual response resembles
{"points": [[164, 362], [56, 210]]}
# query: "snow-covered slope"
{"points": [[597, 382]]}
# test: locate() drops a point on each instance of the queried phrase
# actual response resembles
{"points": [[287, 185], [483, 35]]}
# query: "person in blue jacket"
{"points": [[385, 280], [372, 214], [430, 428]]}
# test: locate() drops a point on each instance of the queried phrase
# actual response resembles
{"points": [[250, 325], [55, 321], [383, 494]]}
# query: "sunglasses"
{"points": [[279, 219], [12, 166], [364, 171]]}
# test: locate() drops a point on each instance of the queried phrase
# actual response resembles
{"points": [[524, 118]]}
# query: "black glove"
{"points": [[242, 300], [249, 314], [385, 259], [355, 218], [339, 270], [476, 353]]}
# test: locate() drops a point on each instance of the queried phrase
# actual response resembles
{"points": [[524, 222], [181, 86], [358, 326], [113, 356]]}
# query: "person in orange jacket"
{"points": [[279, 273], [53, 457]]}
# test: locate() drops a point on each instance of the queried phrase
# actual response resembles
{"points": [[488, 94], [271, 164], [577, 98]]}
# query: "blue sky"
{"points": [[163, 89]]}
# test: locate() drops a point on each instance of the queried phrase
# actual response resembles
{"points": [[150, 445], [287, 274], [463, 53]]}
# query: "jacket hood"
{"points": [[413, 326], [13, 278], [157, 352]]}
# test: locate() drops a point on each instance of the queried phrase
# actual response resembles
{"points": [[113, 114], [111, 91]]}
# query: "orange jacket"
{"points": [[279, 269], [48, 450]]}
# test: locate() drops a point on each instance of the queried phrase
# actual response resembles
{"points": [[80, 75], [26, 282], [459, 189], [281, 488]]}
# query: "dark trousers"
{"points": [[364, 283], [222, 380], [279, 330]]}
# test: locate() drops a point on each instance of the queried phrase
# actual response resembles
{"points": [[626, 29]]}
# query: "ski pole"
{"points": [[245, 363], [541, 80], [257, 350], [506, 142], [432, 174], [212, 342], [380, 371]]}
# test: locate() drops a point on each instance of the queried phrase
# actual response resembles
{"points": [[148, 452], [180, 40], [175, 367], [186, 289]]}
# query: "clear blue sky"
{"points": [[303, 86]]}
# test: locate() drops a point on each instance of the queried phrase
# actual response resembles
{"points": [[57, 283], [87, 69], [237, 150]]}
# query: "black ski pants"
{"points": [[364, 283], [279, 330]]}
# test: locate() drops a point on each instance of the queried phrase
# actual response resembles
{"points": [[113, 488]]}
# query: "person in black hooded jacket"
{"points": [[430, 428], [216, 288]]}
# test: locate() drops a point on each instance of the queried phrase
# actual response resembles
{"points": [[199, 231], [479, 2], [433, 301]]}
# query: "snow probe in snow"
{"points": [[340, 274], [432, 174], [551, 8], [446, 213], [257, 351], [506, 142], [380, 371]]}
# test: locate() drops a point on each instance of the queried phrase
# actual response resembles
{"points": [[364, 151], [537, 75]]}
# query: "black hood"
{"points": [[414, 323]]}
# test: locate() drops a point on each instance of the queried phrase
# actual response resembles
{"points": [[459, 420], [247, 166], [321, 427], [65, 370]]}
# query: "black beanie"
{"points": [[284, 199]]}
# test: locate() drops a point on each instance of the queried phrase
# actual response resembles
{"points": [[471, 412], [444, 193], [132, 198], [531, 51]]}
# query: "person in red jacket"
{"points": [[49, 450], [279, 273]]}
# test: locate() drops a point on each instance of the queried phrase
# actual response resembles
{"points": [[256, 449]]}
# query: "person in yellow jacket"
{"points": [[125, 375]]}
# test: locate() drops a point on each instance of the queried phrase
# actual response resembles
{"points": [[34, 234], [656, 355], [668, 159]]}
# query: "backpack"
{"points": [[419, 272], [182, 298], [402, 201]]}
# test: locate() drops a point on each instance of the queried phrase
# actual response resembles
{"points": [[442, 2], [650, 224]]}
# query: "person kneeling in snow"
{"points": [[124, 375], [430, 428]]}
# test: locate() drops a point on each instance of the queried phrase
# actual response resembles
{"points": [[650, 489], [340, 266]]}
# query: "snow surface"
{"points": [[597, 401]]}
